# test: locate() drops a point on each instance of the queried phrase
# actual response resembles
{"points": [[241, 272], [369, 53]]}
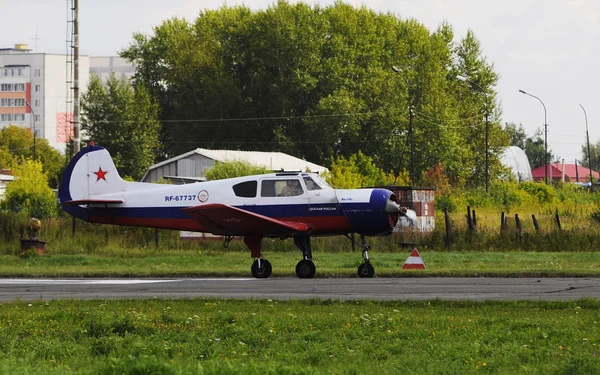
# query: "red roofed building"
{"points": [[573, 173]]}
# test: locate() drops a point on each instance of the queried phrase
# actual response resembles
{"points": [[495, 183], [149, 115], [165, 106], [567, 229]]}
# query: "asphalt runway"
{"points": [[559, 289]]}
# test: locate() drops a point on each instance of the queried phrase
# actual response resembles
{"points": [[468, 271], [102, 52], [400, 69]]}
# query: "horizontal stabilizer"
{"points": [[223, 219], [81, 202]]}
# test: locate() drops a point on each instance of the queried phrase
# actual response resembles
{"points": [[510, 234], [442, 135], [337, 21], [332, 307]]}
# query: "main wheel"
{"points": [[263, 271], [305, 269], [366, 270]]}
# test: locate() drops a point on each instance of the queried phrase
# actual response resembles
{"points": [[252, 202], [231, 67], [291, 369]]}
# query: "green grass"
{"points": [[209, 336], [344, 264]]}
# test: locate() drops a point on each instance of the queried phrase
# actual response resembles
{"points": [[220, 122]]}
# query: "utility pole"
{"points": [[33, 125], [412, 145], [587, 135], [411, 132], [545, 137], [487, 129], [76, 139]]}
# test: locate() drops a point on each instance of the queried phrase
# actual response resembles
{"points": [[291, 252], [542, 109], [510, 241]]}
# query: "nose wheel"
{"points": [[305, 269], [261, 268], [366, 269]]}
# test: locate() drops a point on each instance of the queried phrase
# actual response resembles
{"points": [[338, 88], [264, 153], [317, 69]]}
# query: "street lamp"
{"points": [[588, 146], [545, 136], [410, 125], [487, 130], [33, 122]]}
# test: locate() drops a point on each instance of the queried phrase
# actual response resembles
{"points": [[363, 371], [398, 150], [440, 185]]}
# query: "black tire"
{"points": [[264, 271], [305, 269], [366, 270]]}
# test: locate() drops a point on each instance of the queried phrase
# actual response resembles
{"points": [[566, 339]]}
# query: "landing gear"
{"points": [[366, 269], [305, 269], [261, 268]]}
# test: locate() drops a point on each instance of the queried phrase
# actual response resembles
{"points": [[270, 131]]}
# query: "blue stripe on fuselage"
{"points": [[276, 211]]}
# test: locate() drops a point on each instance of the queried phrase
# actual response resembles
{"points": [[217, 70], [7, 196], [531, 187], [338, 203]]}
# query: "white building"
{"points": [[34, 92], [104, 66], [516, 159], [192, 166]]}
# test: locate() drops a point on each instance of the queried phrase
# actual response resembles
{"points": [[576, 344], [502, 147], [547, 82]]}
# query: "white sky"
{"points": [[549, 48]]}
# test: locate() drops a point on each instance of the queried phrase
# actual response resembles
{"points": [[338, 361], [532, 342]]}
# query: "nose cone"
{"points": [[392, 207]]}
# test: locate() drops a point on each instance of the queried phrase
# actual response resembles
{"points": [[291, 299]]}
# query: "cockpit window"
{"points": [[246, 189], [288, 187], [311, 184]]}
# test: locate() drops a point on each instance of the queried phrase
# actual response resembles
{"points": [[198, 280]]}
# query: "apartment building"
{"points": [[34, 92], [104, 66]]}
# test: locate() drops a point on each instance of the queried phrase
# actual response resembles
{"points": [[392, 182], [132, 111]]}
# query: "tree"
{"points": [[234, 169], [29, 192], [316, 82], [124, 120], [594, 151], [16, 144]]}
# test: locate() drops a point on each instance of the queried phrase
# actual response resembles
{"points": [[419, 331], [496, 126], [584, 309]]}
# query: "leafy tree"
{"points": [[29, 192], [357, 171], [437, 178], [16, 143], [232, 169], [316, 82], [124, 120], [595, 152]]}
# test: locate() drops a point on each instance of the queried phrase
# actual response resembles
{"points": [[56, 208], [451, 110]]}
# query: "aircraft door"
{"points": [[283, 197]]}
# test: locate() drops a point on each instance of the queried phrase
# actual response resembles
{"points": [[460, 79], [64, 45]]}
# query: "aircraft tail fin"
{"points": [[91, 176]]}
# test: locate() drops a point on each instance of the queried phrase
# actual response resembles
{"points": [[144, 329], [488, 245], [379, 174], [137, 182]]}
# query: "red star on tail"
{"points": [[100, 174]]}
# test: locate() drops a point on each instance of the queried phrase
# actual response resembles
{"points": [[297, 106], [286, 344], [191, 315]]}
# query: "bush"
{"points": [[29, 193], [545, 194]]}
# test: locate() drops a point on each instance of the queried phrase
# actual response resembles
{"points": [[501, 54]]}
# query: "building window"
{"points": [[37, 117], [37, 102], [37, 88], [37, 73], [12, 117]]}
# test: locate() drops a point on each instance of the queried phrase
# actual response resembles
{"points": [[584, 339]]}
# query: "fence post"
{"points": [[557, 220], [518, 225], [535, 223], [469, 220], [448, 228]]}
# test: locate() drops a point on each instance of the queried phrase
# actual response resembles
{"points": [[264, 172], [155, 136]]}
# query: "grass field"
{"points": [[209, 336], [237, 263]]}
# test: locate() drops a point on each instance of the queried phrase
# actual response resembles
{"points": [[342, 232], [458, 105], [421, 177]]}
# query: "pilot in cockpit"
{"points": [[291, 189]]}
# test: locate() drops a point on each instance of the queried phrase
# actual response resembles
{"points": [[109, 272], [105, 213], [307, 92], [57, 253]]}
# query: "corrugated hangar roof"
{"points": [[272, 160]]}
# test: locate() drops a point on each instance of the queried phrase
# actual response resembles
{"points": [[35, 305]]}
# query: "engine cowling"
{"points": [[372, 212]]}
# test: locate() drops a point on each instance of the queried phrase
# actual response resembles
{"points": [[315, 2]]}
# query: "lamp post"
{"points": [[545, 136], [487, 130], [587, 135], [33, 123], [410, 125]]}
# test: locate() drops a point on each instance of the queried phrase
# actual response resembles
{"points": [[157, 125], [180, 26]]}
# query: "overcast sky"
{"points": [[549, 48]]}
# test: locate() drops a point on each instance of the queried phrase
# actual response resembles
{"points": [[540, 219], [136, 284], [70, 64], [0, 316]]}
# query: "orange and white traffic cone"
{"points": [[414, 261]]}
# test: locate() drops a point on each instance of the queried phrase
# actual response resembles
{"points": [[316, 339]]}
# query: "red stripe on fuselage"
{"points": [[319, 224]]}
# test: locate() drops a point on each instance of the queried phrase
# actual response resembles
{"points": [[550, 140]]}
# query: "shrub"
{"points": [[545, 194], [234, 169], [29, 192]]}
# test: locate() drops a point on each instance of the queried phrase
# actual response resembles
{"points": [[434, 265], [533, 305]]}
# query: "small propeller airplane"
{"points": [[277, 205]]}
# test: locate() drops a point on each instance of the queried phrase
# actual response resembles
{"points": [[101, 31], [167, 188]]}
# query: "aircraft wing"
{"points": [[229, 220], [80, 202]]}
